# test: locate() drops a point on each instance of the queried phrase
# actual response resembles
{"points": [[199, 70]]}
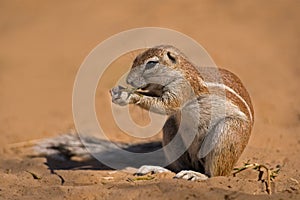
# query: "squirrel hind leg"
{"points": [[232, 137]]}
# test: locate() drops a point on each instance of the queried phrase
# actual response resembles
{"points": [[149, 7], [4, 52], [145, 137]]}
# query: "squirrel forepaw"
{"points": [[120, 95], [146, 169], [191, 175], [123, 96]]}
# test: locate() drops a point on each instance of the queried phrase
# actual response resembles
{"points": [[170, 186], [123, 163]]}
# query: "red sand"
{"points": [[43, 44]]}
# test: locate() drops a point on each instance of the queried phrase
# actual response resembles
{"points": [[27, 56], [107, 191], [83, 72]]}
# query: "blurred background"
{"points": [[43, 44]]}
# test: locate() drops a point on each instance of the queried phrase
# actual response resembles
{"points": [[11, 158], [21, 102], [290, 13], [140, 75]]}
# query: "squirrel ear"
{"points": [[172, 57]]}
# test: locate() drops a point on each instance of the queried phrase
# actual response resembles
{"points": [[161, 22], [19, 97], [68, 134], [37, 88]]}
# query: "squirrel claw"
{"points": [[190, 175], [146, 169]]}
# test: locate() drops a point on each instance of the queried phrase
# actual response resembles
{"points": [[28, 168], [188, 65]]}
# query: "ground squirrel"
{"points": [[208, 102]]}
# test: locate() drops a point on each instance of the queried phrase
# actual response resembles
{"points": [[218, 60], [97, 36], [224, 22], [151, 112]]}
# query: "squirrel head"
{"points": [[159, 67], [154, 66]]}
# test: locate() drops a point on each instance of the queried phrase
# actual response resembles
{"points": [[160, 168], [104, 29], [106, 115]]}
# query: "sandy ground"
{"points": [[43, 44]]}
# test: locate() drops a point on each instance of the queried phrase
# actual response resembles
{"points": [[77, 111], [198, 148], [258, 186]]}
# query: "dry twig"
{"points": [[271, 173]]}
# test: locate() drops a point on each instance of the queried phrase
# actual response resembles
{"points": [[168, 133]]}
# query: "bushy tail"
{"points": [[66, 146], [69, 151]]}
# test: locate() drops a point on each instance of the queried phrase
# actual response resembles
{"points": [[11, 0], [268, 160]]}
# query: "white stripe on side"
{"points": [[209, 84]]}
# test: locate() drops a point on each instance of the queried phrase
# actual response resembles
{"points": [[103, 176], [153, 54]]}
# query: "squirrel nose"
{"points": [[131, 81], [128, 81], [135, 82]]}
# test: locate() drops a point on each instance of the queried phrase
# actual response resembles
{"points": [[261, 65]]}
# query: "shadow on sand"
{"points": [[69, 152]]}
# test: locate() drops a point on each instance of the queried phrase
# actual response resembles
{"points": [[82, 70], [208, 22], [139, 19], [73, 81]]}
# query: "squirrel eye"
{"points": [[150, 64]]}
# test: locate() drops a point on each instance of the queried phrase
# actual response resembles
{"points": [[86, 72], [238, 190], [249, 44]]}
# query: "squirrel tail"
{"points": [[69, 151], [66, 146]]}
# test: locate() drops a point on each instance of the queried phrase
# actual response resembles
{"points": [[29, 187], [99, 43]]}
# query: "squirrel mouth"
{"points": [[151, 89]]}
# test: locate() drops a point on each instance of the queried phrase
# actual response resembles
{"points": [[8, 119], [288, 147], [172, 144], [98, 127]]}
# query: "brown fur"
{"points": [[234, 128]]}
